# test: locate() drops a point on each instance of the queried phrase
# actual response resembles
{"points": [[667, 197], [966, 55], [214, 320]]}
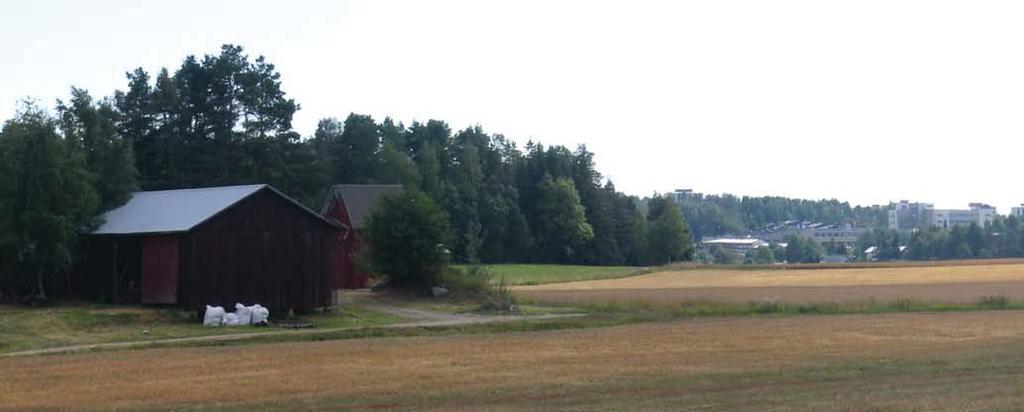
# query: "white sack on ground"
{"points": [[244, 314], [214, 316], [259, 314], [231, 319]]}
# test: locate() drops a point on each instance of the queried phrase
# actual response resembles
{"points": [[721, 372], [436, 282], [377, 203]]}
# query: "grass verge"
{"points": [[642, 311], [538, 274], [76, 323]]}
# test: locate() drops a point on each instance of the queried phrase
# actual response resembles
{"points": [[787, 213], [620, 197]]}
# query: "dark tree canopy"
{"points": [[406, 235], [47, 196], [219, 120], [800, 249], [93, 128], [669, 237]]}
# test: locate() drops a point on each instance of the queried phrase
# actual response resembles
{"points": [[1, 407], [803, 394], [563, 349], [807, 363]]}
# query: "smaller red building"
{"points": [[351, 205]]}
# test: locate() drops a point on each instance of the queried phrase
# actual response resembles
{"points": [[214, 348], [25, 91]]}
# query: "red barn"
{"points": [[351, 205], [216, 246]]}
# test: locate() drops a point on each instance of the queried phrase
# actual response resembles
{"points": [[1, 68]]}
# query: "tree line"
{"points": [[716, 215], [1004, 238], [225, 119]]}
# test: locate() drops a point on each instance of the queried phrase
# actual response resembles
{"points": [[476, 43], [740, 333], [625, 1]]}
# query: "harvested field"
{"points": [[942, 283], [952, 361]]}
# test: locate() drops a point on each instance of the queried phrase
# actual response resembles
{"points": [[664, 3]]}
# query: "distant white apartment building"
{"points": [[1017, 211], [908, 216], [979, 214]]}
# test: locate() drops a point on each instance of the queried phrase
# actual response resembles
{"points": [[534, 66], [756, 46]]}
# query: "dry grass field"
{"points": [[949, 360], [960, 282], [931, 361]]}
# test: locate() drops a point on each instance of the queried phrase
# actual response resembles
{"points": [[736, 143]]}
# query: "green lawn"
{"points": [[69, 324], [528, 274]]}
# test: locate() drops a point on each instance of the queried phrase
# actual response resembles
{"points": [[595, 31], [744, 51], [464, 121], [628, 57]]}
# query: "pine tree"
{"points": [[91, 127]]}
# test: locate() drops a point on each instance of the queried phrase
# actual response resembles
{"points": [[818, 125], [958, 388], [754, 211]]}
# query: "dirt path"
{"points": [[626, 364], [419, 319], [431, 316]]}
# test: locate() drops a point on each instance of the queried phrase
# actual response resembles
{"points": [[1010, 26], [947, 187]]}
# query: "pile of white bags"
{"points": [[243, 315]]}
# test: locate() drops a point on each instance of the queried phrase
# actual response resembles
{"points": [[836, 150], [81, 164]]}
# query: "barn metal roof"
{"points": [[173, 211], [360, 199]]}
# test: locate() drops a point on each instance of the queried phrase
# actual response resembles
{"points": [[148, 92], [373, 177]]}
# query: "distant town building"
{"points": [[1017, 211], [823, 234], [837, 234], [979, 214], [909, 216], [914, 216], [735, 245], [680, 194]]}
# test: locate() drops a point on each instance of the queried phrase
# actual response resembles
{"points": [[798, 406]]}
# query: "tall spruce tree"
{"points": [[91, 127], [668, 236]]}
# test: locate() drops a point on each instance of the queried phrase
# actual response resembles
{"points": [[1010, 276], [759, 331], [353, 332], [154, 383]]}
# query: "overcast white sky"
{"points": [[865, 101]]}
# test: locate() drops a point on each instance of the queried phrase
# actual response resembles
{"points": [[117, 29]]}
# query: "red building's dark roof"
{"points": [[359, 200]]}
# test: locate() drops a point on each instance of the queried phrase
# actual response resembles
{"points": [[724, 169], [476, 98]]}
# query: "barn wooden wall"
{"points": [[346, 276], [262, 250]]}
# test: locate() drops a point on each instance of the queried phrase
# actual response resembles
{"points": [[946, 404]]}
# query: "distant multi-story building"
{"points": [[914, 216], [979, 214], [1017, 211], [909, 216]]}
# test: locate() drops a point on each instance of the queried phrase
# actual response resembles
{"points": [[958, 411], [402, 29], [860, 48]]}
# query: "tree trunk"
{"points": [[39, 280], [67, 280]]}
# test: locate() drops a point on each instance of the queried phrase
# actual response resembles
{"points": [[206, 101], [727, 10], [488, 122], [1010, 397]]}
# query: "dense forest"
{"points": [[225, 119]]}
